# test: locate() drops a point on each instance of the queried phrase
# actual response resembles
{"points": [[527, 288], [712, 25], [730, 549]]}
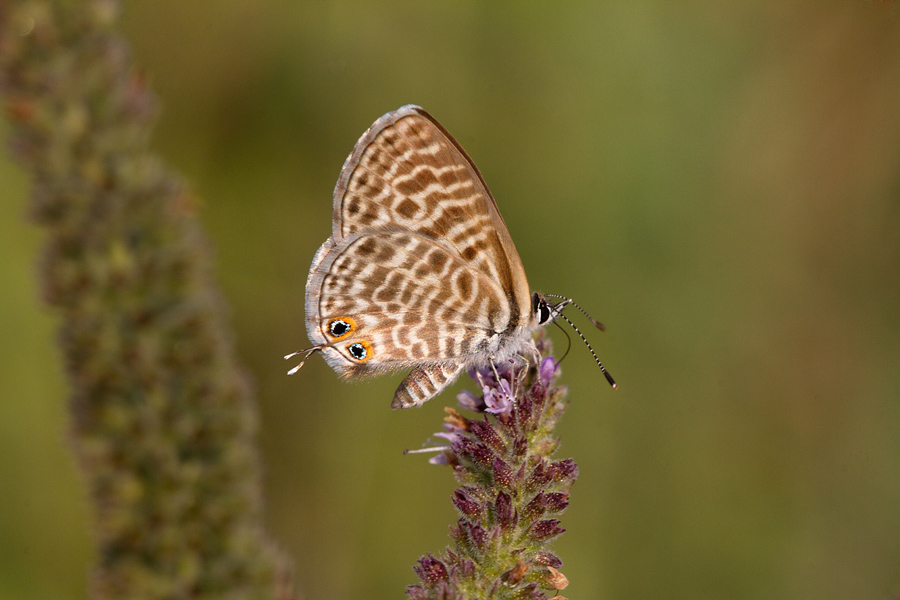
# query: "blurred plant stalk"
{"points": [[162, 417]]}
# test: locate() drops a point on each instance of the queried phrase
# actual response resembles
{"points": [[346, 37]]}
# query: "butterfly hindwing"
{"points": [[424, 383], [406, 296]]}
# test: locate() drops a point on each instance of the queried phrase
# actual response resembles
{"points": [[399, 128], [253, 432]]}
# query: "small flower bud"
{"points": [[534, 509], [503, 474], [544, 530], [538, 478], [477, 452], [485, 432], [466, 568], [466, 504], [556, 502], [520, 447], [547, 370], [416, 592], [475, 535], [547, 559], [430, 570], [525, 415], [563, 470], [506, 514]]}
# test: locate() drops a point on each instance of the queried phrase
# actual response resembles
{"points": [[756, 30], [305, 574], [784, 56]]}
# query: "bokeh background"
{"points": [[718, 182]]}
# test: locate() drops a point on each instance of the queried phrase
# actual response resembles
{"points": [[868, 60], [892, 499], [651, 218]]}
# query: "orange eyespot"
{"points": [[340, 327], [360, 351]]}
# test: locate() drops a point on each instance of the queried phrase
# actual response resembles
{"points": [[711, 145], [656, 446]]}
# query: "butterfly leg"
{"points": [[424, 383], [511, 371], [494, 369], [518, 370], [531, 348]]}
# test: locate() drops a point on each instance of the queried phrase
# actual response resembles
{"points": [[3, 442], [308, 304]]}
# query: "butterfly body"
{"points": [[420, 270]]}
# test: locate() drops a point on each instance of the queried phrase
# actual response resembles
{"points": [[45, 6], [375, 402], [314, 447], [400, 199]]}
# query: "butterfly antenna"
{"points": [[568, 341], [567, 301], [609, 378], [308, 352]]}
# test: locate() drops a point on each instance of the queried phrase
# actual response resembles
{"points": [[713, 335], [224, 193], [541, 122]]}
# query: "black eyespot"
{"points": [[338, 328], [357, 351]]}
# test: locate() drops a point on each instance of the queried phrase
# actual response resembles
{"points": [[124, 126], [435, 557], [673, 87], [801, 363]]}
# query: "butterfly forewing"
{"points": [[408, 172]]}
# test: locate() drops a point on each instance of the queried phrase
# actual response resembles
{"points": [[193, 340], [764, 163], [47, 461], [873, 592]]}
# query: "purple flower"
{"points": [[470, 401], [438, 459], [454, 431], [548, 369], [451, 434], [499, 399]]}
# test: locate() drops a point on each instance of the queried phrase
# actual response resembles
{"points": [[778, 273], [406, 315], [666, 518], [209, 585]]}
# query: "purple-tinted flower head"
{"points": [[511, 488]]}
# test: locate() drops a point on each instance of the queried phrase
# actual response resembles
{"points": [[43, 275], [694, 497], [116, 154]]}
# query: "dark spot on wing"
{"points": [[407, 208]]}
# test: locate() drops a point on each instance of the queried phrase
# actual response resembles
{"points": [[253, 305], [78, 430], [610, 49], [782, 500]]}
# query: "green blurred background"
{"points": [[719, 183]]}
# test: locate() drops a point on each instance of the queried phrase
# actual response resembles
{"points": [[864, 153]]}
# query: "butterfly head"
{"points": [[542, 310], [545, 312]]}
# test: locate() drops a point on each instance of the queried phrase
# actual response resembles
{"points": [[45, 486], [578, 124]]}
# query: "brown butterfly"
{"points": [[420, 270]]}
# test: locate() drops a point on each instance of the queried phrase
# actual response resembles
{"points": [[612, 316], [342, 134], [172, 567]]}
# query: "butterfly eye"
{"points": [[341, 327], [359, 350], [543, 313]]}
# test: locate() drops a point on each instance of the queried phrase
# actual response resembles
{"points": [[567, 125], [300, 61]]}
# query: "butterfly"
{"points": [[420, 270]]}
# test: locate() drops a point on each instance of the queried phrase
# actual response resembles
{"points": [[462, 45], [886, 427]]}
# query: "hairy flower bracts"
{"points": [[511, 490]]}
